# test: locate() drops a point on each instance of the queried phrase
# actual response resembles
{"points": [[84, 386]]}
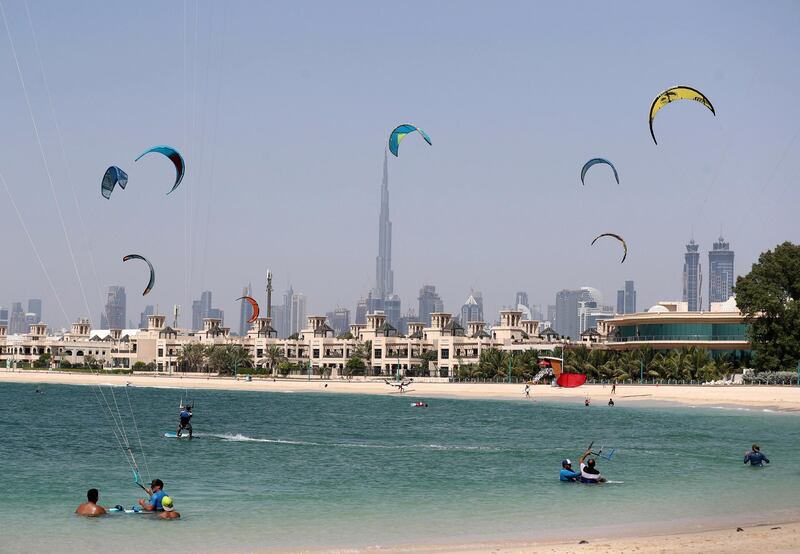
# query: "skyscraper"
{"points": [[148, 310], [384, 276], [361, 312], [16, 321], [245, 310], [522, 299], [297, 313], [114, 315], [692, 277], [4, 317], [720, 272], [35, 307], [279, 320], [392, 309], [200, 310], [339, 320], [568, 314], [472, 310], [626, 299], [429, 302]]}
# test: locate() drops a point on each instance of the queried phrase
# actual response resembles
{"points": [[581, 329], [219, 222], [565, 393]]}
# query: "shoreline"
{"points": [[765, 397]]}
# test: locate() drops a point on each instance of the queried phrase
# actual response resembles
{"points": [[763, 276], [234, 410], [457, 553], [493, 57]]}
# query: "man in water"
{"points": [[586, 402], [590, 475], [169, 510], [185, 423], [90, 508], [567, 473], [755, 457], [157, 494], [610, 401]]}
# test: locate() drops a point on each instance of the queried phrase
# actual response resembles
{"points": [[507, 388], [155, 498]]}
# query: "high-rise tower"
{"points": [[384, 276], [720, 272], [692, 277]]}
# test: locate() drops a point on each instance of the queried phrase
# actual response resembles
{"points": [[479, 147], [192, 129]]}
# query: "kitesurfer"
{"points": [[157, 494], [90, 508], [586, 402], [567, 473], [589, 473], [169, 509], [185, 422], [755, 457]]}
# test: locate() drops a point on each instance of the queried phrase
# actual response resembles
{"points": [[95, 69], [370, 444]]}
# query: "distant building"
{"points": [[392, 308], [536, 312], [551, 314], [216, 313], [148, 311], [4, 316], [590, 312], [692, 277], [339, 320], [626, 299], [568, 309], [16, 321], [429, 302], [200, 310], [720, 272], [471, 310], [35, 307], [361, 312], [279, 320], [245, 311], [115, 313], [297, 313], [522, 299]]}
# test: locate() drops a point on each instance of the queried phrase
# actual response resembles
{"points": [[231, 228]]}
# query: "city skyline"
{"points": [[459, 207]]}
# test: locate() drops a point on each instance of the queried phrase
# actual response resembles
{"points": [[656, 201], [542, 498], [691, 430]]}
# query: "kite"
{"points": [[571, 380], [619, 238], [253, 304], [673, 94], [594, 161], [152, 280], [113, 176], [174, 156], [400, 133]]}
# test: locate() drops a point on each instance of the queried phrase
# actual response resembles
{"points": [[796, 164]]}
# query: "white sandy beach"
{"points": [[785, 398]]}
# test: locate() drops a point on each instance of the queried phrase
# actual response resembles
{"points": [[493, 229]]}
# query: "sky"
{"points": [[283, 110]]}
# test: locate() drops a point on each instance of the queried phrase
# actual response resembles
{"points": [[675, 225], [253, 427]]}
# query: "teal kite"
{"points": [[174, 156], [400, 133], [595, 161], [113, 176]]}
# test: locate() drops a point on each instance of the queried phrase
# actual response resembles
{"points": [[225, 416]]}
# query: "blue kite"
{"points": [[595, 161], [113, 176], [400, 133], [175, 157]]}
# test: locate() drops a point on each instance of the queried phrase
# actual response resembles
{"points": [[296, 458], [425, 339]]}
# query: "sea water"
{"points": [[313, 471]]}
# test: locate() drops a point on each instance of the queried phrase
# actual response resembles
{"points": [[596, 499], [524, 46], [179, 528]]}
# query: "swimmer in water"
{"points": [[755, 457]]}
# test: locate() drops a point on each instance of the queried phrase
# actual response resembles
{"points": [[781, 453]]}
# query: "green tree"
{"points": [[92, 363], [43, 361], [344, 336], [192, 356], [493, 363], [769, 298], [139, 366], [354, 366], [427, 358], [274, 356]]}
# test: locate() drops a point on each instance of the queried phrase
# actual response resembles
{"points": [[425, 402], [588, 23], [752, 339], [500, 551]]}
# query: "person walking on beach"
{"points": [[567, 473], [169, 509], [90, 508], [157, 494], [590, 475], [755, 457], [614, 388], [527, 390]]}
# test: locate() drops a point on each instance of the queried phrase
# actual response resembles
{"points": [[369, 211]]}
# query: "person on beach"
{"points": [[169, 509], [157, 494], [567, 473], [590, 475], [527, 390], [185, 422], [90, 508], [755, 457], [614, 388], [610, 401]]}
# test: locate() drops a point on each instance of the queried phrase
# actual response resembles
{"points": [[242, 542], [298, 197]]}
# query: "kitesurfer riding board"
{"points": [[185, 421]]}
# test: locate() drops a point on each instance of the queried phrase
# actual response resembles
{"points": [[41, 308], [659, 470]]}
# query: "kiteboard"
{"points": [[134, 510], [174, 435]]}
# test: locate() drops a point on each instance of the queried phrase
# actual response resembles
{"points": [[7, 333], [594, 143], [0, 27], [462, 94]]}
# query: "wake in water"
{"points": [[238, 437]]}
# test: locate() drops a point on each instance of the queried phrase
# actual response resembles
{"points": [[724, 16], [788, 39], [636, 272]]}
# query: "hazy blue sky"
{"points": [[282, 112]]}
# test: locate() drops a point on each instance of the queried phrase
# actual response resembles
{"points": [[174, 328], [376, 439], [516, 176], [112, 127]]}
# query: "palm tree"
{"points": [[493, 363], [238, 356], [274, 355], [192, 356]]}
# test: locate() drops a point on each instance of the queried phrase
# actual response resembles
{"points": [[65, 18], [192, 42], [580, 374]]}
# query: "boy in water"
{"points": [[90, 508], [755, 457], [169, 509]]}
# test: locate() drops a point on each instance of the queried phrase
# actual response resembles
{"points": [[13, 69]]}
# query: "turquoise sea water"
{"points": [[307, 471]]}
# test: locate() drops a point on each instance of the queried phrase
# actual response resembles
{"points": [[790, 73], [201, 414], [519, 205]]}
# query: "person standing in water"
{"points": [[169, 509], [567, 474], [590, 475], [755, 457], [90, 508], [157, 494]]}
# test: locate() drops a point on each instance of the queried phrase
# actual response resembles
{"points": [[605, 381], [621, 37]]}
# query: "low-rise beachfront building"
{"points": [[670, 326], [442, 348]]}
